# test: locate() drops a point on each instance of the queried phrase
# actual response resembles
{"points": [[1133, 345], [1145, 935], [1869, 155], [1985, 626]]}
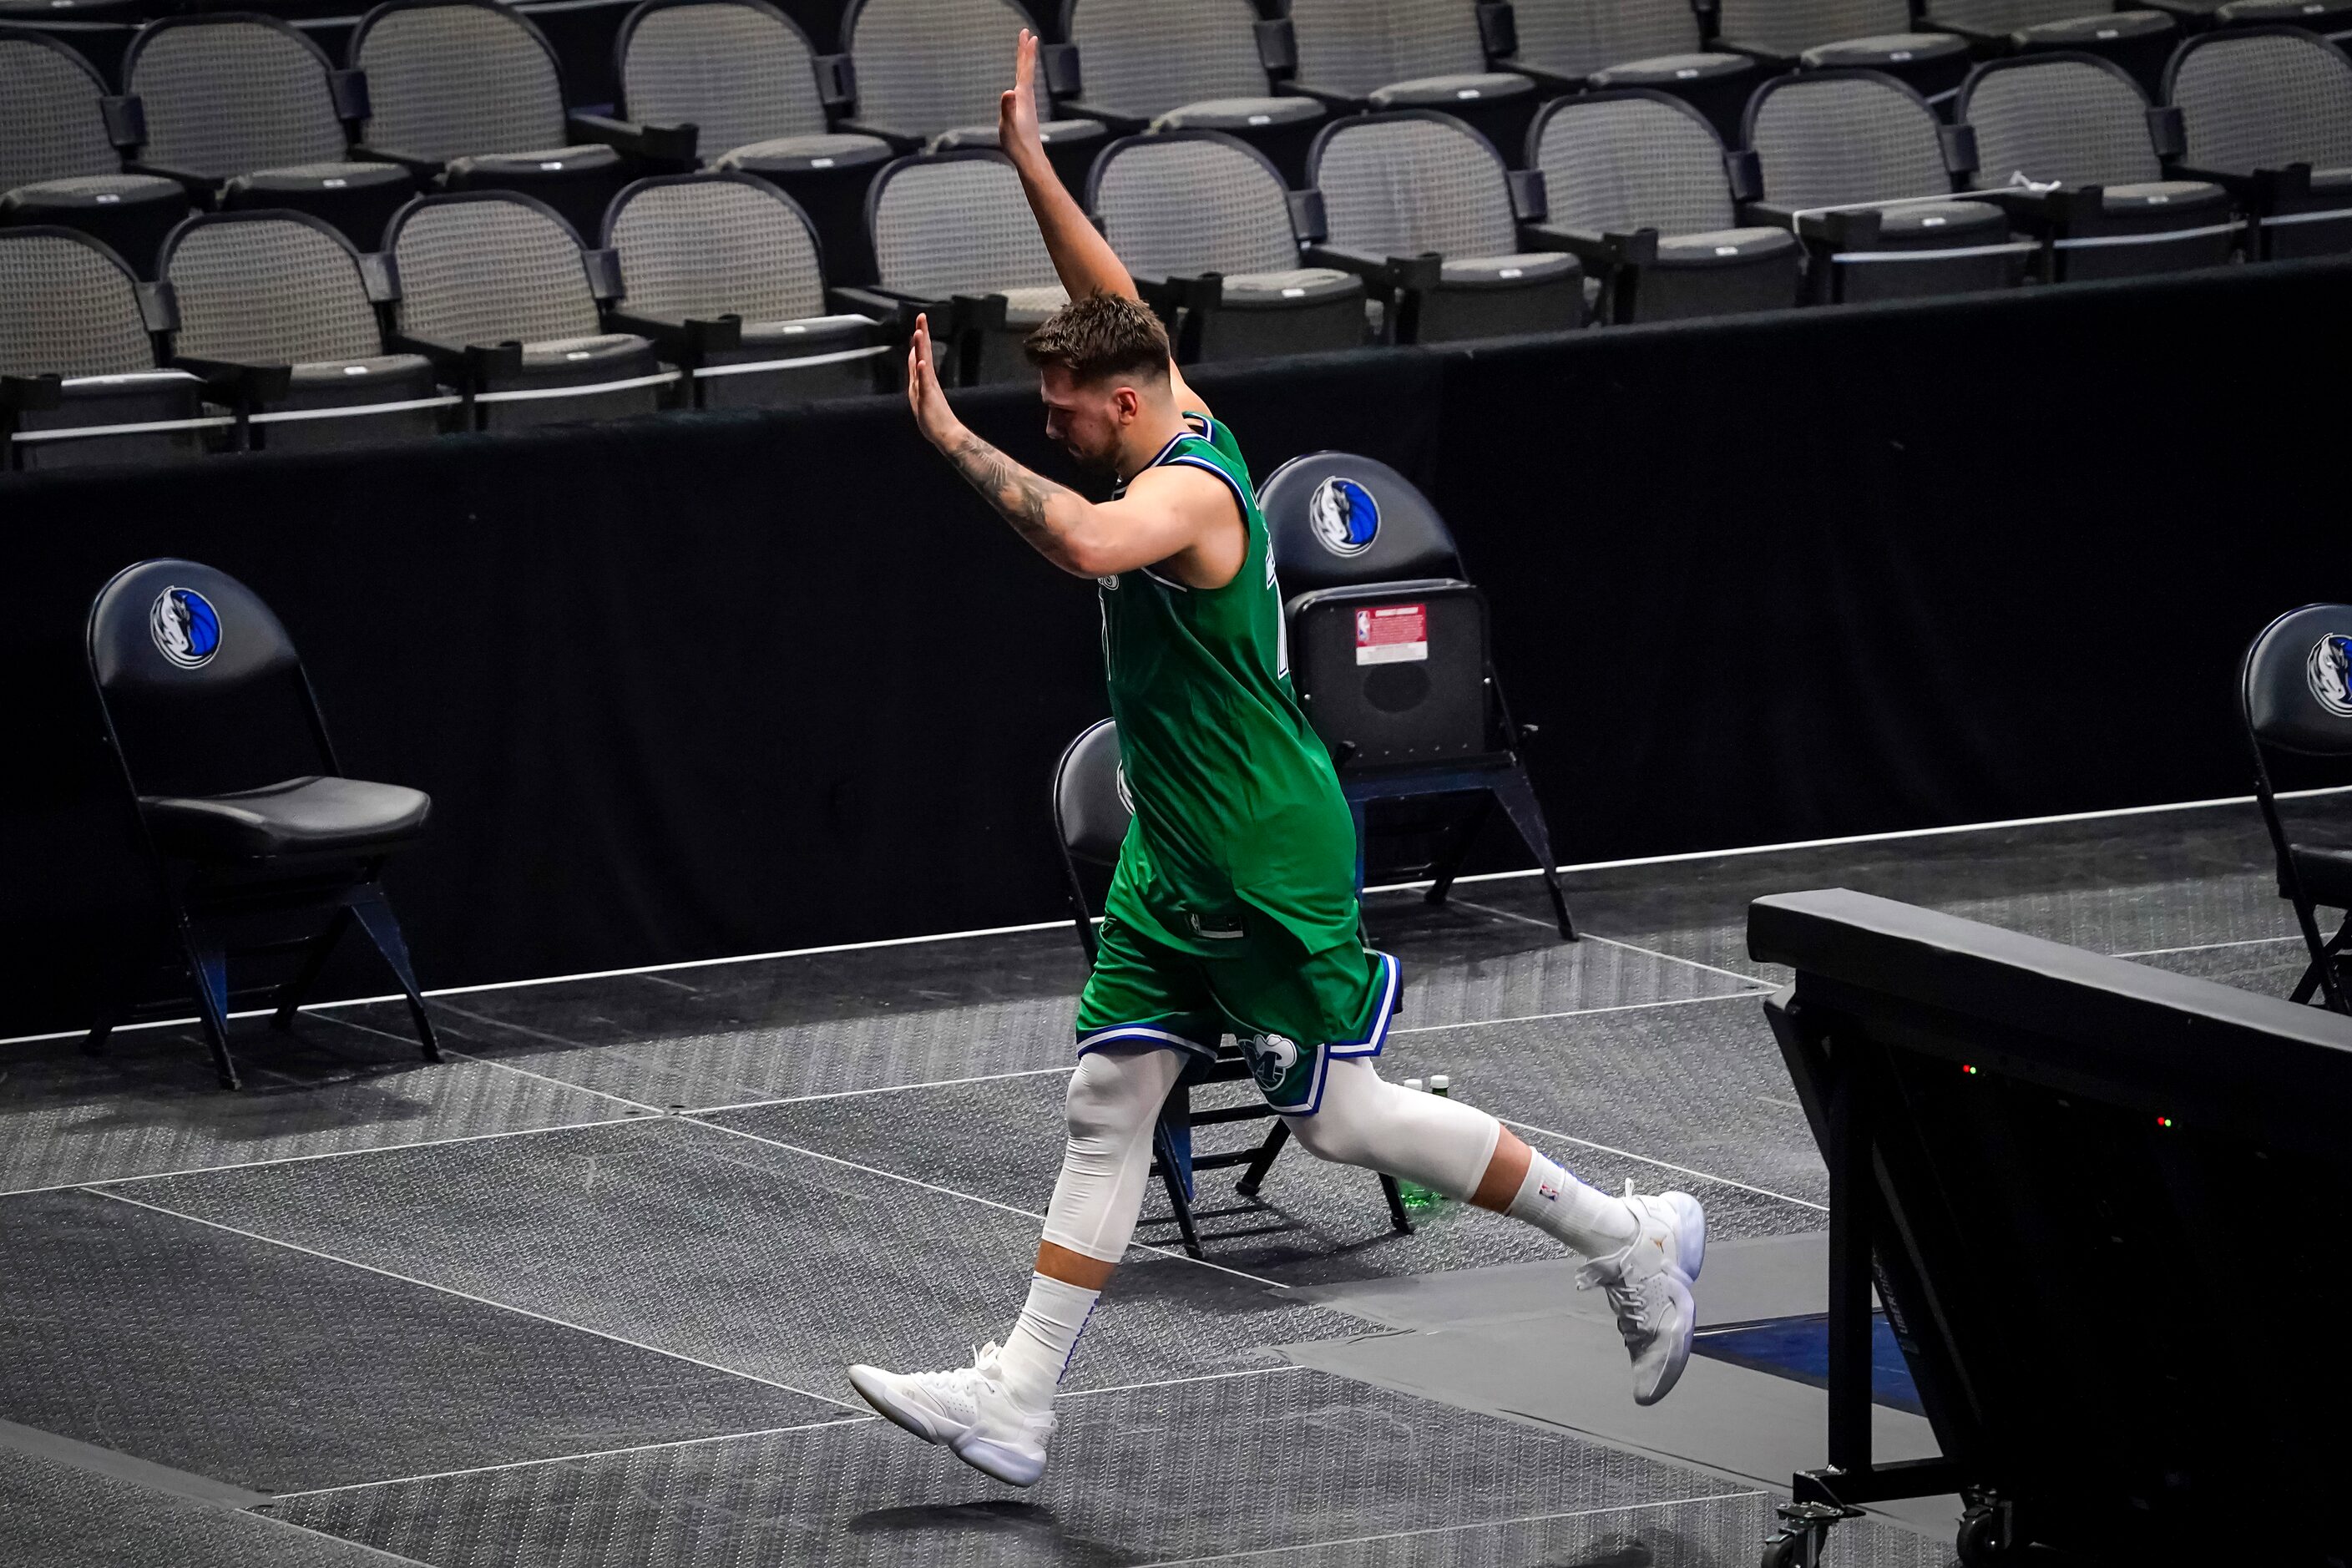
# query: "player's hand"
{"points": [[1016, 112], [924, 395]]}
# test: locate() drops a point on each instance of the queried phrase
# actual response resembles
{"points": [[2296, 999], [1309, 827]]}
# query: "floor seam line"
{"points": [[2207, 946], [261, 1511], [464, 1295], [1450, 1529], [1665, 1164], [1585, 1012], [1755, 979]]}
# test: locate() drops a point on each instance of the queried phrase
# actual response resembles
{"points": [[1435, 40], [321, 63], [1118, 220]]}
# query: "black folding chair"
{"points": [[1389, 654], [2295, 693], [196, 683], [1091, 813]]}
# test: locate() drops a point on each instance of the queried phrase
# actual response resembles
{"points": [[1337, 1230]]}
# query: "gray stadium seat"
{"points": [[468, 90], [2329, 17], [745, 76], [2139, 40], [1355, 54], [2267, 112], [1420, 207], [2081, 120], [1859, 35], [953, 235], [94, 30], [1608, 44], [1638, 190], [58, 159], [248, 103], [1195, 67], [78, 379], [495, 290], [1856, 165], [930, 73], [1214, 240], [697, 250], [264, 290]]}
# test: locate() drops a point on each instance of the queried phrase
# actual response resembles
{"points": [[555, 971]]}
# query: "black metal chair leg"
{"points": [[1254, 1173], [1397, 1216], [314, 960], [1451, 866], [1164, 1161], [1517, 797], [376, 918], [209, 967]]}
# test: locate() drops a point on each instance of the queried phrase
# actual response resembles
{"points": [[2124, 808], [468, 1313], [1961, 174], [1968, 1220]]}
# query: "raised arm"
{"points": [[1083, 258]]}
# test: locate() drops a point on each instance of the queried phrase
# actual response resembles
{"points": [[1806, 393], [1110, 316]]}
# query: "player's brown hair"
{"points": [[1103, 337]]}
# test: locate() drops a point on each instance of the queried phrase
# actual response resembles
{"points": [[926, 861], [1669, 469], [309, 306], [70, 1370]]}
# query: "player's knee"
{"points": [[1352, 1125], [1108, 1101]]}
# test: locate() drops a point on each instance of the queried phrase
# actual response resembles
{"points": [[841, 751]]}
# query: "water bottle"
{"points": [[1416, 1195]]}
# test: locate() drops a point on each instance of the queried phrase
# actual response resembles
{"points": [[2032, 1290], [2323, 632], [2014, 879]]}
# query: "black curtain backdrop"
{"points": [[718, 684]]}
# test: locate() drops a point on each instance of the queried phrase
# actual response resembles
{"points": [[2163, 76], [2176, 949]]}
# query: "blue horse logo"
{"points": [[1345, 517], [186, 627]]}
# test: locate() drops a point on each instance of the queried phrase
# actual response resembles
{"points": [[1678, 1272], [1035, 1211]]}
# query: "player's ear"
{"points": [[1129, 404]]}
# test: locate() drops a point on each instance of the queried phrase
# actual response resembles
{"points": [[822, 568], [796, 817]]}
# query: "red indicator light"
{"points": [[1968, 1069], [2163, 1121]]}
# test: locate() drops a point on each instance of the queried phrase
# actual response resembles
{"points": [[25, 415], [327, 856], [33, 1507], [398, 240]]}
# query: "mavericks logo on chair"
{"points": [[1345, 516], [2329, 670], [186, 628]]}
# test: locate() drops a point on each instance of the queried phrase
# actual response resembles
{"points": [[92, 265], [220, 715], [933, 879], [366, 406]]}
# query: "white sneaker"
{"points": [[968, 1410], [1649, 1284]]}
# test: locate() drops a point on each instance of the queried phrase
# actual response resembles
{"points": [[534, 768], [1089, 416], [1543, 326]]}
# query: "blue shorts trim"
{"points": [[1370, 1046], [1143, 1034]]}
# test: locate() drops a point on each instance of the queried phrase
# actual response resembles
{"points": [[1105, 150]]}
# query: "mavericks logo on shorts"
{"points": [[1344, 515], [186, 627], [2329, 670], [1284, 1072]]}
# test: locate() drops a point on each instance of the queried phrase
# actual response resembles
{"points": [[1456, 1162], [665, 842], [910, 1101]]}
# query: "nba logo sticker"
{"points": [[186, 627], [2329, 671], [1392, 634], [1345, 517]]}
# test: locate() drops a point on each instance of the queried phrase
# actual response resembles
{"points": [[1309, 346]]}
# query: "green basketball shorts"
{"points": [[1292, 1010]]}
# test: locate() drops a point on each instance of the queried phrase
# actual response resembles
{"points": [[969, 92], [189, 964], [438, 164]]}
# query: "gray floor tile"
{"points": [[748, 1256], [1289, 1458], [250, 1364], [58, 1516], [2266, 968], [151, 1104]]}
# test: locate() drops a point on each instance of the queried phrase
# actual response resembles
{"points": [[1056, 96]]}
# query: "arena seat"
{"points": [[286, 292], [1090, 822], [2324, 16], [467, 92], [1357, 55], [247, 110], [2081, 121], [1856, 165], [2267, 114], [1639, 191], [2137, 40], [725, 277], [952, 236], [745, 76], [1853, 34], [59, 163], [928, 74], [192, 672], [1605, 45], [2294, 695], [1216, 242], [1389, 655], [78, 379], [495, 291], [1139, 65], [96, 31], [1420, 207]]}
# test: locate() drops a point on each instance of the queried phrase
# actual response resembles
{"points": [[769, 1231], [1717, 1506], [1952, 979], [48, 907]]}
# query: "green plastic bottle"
{"points": [[1416, 1195]]}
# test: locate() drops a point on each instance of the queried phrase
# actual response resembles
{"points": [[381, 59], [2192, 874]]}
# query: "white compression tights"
{"points": [[1115, 1099]]}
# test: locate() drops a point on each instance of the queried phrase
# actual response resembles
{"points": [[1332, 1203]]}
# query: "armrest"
{"points": [[1599, 252], [1278, 47], [1307, 216], [836, 83], [893, 311], [1530, 198], [1385, 277], [1550, 82], [1837, 230], [1744, 170], [237, 384], [348, 89], [200, 187], [2168, 130], [126, 122], [422, 168], [1061, 67], [467, 365], [658, 143], [602, 266], [1120, 124], [688, 343], [1344, 102], [900, 141], [22, 393], [1959, 149], [1707, 11], [1498, 28]]}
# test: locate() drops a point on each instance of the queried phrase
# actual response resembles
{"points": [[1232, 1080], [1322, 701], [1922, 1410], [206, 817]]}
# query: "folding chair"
{"points": [[1090, 820], [183, 657], [1389, 654], [2295, 692]]}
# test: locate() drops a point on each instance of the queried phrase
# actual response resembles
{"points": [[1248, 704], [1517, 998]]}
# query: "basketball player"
{"points": [[1234, 908]]}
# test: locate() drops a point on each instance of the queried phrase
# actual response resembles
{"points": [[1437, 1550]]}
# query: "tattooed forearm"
{"points": [[1012, 490]]}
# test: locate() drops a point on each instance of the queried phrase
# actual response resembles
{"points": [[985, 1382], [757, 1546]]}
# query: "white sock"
{"points": [[1588, 1220], [1038, 1350]]}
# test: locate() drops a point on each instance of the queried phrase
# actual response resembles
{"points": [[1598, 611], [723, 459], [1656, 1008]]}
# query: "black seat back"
{"points": [[2296, 687], [1091, 808], [1340, 521]]}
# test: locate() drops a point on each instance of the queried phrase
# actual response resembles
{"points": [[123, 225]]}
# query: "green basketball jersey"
{"points": [[1235, 801]]}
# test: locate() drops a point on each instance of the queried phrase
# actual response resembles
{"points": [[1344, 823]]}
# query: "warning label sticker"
{"points": [[1392, 634]]}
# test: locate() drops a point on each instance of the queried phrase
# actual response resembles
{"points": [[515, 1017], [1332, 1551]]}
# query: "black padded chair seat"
{"points": [[1290, 289], [587, 362], [2080, 32], [1668, 70], [1884, 50], [1052, 133], [1240, 114], [2185, 200], [294, 817], [305, 179], [83, 192], [484, 168], [1438, 91], [377, 378], [797, 154], [1506, 271], [130, 213], [2318, 16], [1940, 225], [2325, 872], [1725, 247]]}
